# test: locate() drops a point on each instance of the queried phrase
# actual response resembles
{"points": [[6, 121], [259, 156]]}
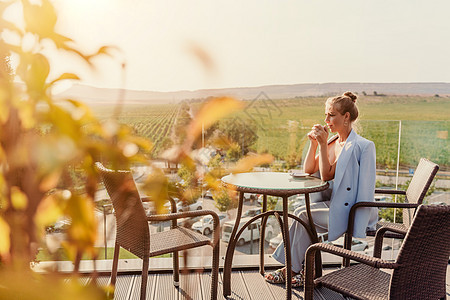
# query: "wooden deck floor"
{"points": [[246, 284]]}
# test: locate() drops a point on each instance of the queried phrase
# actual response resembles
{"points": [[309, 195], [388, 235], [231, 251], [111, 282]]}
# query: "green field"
{"points": [[282, 125]]}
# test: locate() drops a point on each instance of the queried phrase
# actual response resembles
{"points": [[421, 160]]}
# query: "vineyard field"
{"points": [[282, 125]]}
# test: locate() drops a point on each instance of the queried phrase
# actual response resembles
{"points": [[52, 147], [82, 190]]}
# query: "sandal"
{"points": [[298, 280], [277, 276]]}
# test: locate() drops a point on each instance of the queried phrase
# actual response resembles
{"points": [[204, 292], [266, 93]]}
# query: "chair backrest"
{"points": [[423, 257], [418, 187], [132, 231]]}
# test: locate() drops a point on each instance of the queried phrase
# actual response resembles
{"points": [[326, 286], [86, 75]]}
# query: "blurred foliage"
{"points": [[47, 152], [42, 143], [233, 132], [272, 202]]}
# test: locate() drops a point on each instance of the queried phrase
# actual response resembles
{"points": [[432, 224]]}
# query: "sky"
{"points": [[175, 45]]}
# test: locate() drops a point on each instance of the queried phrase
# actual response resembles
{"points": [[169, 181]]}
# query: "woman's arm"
{"points": [[326, 168], [311, 164]]}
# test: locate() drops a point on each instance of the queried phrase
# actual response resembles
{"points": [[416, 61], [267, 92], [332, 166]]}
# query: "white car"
{"points": [[205, 224], [294, 202], [197, 205], [251, 231], [181, 206]]}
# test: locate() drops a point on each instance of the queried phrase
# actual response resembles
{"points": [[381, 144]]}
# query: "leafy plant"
{"points": [[41, 140]]}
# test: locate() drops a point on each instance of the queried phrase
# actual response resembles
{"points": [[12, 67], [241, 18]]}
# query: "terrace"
{"points": [[49, 202], [247, 283]]}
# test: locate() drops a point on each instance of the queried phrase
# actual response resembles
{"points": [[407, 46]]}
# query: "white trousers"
{"points": [[299, 237]]}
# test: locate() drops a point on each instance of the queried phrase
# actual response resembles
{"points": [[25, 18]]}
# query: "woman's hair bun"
{"points": [[350, 95]]}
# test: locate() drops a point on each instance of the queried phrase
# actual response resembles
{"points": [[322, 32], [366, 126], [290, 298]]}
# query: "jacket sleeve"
{"points": [[365, 217]]}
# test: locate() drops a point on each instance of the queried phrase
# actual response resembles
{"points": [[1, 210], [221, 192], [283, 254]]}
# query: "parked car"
{"points": [[181, 206], [207, 194], [249, 196], [197, 205], [252, 212], [188, 222], [294, 202], [247, 234], [205, 224]]}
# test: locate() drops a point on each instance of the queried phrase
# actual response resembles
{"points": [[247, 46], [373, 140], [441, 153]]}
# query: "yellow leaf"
{"points": [[211, 112], [4, 237], [247, 163], [50, 181], [156, 187], [38, 72], [221, 142], [83, 230], [64, 77], [40, 19], [50, 209], [18, 199], [174, 154]]}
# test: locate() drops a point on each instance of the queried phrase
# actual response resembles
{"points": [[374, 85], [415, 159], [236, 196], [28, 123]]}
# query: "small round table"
{"points": [[275, 184]]}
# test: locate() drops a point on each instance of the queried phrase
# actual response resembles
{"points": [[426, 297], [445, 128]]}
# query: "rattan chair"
{"points": [[133, 232], [414, 195], [419, 271]]}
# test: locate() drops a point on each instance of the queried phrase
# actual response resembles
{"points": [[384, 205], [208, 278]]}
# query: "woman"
{"points": [[347, 161]]}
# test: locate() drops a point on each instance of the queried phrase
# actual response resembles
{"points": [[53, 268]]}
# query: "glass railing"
{"points": [[399, 146]]}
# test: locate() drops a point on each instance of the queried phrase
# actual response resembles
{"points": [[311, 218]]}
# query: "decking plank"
{"points": [[124, 286], [248, 284], [257, 286], [164, 288], [190, 288]]}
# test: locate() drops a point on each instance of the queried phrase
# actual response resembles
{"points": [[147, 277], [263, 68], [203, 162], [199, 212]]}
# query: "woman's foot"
{"points": [[278, 276], [298, 279]]}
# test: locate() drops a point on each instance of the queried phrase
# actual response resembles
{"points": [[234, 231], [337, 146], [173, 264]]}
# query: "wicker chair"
{"points": [[133, 232], [414, 195], [419, 272]]}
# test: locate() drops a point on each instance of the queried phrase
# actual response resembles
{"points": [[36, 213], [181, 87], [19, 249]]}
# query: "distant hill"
{"points": [[94, 95]]}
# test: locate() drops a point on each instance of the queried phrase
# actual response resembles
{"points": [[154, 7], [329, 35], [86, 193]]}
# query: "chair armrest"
{"points": [[179, 215], [392, 192], [351, 216], [382, 204], [362, 258], [365, 259], [378, 244]]}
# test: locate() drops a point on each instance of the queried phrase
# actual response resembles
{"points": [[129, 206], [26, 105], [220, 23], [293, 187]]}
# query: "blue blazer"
{"points": [[354, 181]]}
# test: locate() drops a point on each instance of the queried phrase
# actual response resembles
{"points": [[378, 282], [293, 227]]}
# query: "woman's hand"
{"points": [[312, 138], [320, 133]]}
